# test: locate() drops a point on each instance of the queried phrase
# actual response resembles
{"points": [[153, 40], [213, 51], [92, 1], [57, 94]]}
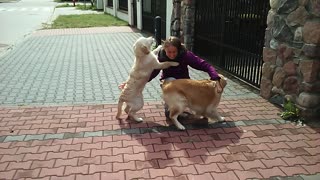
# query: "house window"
{"points": [[123, 5], [110, 3]]}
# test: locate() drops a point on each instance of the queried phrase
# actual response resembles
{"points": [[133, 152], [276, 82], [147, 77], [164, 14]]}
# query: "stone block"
{"points": [[308, 100], [285, 53], [276, 90], [287, 6], [298, 34], [298, 17], [274, 44], [311, 50], [267, 38], [314, 7], [266, 86], [310, 70], [270, 18], [274, 4], [278, 77], [291, 85], [268, 70], [269, 55], [311, 87], [311, 32], [290, 68], [281, 30]]}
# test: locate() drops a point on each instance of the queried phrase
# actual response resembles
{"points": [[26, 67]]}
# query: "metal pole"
{"points": [[157, 30]]}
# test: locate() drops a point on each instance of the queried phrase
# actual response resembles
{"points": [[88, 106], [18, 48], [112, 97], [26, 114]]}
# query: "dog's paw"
{"points": [[221, 119], [181, 127], [174, 64], [138, 119]]}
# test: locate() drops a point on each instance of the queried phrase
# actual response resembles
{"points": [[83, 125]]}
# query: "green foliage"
{"points": [[85, 7], [290, 111]]}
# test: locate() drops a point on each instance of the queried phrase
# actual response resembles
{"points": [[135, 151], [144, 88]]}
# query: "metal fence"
{"points": [[230, 35], [151, 9]]}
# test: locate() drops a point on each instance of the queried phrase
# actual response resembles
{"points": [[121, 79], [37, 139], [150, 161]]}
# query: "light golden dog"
{"points": [[200, 96], [145, 62]]}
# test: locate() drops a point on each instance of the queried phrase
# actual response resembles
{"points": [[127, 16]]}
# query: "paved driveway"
{"points": [[58, 91], [78, 66]]}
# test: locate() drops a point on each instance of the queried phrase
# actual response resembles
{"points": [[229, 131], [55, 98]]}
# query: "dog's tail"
{"points": [[120, 103]]}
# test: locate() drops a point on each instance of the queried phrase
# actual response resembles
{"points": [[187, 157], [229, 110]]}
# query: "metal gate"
{"points": [[151, 9], [230, 35]]}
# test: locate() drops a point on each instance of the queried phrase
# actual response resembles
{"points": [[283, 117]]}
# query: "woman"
{"points": [[174, 50]]}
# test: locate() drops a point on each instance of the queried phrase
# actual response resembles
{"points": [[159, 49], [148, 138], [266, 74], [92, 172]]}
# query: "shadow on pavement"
{"points": [[200, 143]]}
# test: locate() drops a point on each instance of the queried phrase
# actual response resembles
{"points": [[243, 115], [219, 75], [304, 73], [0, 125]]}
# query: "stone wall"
{"points": [[291, 55], [187, 22]]}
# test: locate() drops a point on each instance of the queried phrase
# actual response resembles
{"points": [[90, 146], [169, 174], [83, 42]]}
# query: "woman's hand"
{"points": [[122, 85], [219, 88]]}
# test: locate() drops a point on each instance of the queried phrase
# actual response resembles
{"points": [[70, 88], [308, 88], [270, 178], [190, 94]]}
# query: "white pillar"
{"points": [[168, 17], [115, 7], [130, 12], [139, 14]]}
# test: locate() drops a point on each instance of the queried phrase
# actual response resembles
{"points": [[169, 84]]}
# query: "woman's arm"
{"points": [[154, 74], [200, 64]]}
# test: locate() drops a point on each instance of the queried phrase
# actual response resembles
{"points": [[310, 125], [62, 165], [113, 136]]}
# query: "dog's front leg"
{"points": [[156, 51], [215, 115], [165, 65]]}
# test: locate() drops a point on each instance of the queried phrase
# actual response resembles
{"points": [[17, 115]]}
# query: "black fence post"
{"points": [[157, 30]]}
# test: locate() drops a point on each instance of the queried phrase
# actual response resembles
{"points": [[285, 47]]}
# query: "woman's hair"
{"points": [[174, 41]]}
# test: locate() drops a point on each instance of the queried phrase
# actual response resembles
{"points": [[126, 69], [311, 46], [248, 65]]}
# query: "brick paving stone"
{"points": [[58, 138]]}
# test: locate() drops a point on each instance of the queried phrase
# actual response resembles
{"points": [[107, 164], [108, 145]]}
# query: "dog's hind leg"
{"points": [[138, 104], [174, 113], [120, 103], [127, 109]]}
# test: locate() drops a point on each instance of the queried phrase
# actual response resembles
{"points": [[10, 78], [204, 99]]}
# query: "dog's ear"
{"points": [[145, 49]]}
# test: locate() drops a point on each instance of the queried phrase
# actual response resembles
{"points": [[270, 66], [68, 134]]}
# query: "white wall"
{"points": [[115, 11], [123, 15], [128, 17]]}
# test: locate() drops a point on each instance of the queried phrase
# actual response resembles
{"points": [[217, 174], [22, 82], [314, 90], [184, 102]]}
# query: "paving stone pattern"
{"points": [[58, 96], [78, 66], [82, 142]]}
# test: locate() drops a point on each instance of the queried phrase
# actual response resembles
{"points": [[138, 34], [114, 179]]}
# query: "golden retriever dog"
{"points": [[145, 62], [200, 96]]}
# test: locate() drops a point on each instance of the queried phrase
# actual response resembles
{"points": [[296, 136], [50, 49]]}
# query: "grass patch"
{"points": [[78, 6], [86, 20], [64, 5]]}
